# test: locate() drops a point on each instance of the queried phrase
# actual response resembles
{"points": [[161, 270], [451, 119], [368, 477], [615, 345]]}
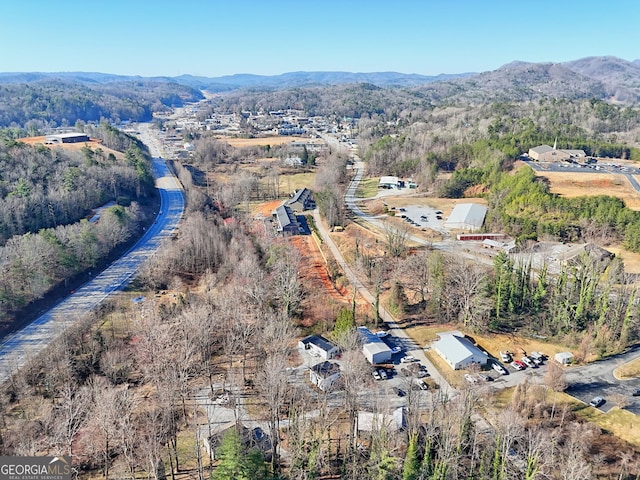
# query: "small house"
{"points": [[301, 201], [319, 346], [324, 375]]}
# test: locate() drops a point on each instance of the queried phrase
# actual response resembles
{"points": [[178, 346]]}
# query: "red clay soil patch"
{"points": [[266, 209], [324, 295]]}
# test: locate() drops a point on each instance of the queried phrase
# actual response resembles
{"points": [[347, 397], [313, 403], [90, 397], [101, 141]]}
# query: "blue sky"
{"points": [[268, 37]]}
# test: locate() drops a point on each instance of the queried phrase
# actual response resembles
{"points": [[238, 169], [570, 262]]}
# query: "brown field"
{"points": [[254, 142], [631, 260], [571, 185]]}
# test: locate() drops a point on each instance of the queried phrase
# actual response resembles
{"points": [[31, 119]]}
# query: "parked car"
{"points": [[506, 357], [596, 402], [485, 377], [376, 375], [408, 359], [421, 385], [636, 393], [499, 368], [536, 356], [395, 350], [528, 362], [518, 365], [382, 334], [383, 374], [422, 373], [470, 378], [399, 392]]}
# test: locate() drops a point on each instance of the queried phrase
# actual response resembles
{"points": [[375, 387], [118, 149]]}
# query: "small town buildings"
{"points": [[301, 201], [324, 375], [563, 358], [319, 346], [373, 347], [286, 220], [467, 216], [545, 153], [458, 351], [389, 182], [72, 137]]}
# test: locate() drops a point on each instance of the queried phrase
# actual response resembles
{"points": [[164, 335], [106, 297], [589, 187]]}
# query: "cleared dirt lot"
{"points": [[92, 144]]}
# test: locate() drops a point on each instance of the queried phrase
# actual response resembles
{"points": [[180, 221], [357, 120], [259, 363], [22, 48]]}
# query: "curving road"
{"points": [[17, 348]]}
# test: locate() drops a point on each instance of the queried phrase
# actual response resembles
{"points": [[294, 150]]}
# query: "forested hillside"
{"points": [[47, 103], [45, 197]]}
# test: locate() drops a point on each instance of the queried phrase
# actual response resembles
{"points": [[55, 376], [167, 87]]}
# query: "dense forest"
{"points": [[49, 103], [46, 196]]}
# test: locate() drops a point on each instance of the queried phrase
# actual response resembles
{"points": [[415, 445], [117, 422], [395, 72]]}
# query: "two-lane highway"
{"points": [[18, 348]]}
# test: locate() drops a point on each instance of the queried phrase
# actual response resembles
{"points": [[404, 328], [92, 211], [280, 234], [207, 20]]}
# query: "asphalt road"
{"points": [[19, 347]]}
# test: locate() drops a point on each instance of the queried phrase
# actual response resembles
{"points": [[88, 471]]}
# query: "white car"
{"points": [[395, 350], [528, 362], [408, 359], [376, 375], [381, 334], [499, 368], [470, 378], [383, 374], [506, 357]]}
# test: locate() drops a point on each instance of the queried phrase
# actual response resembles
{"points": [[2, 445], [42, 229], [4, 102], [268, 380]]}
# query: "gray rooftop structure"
{"points": [[458, 351], [467, 216], [287, 222], [302, 200]]}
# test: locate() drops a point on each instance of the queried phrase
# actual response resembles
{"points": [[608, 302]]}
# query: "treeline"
{"points": [[34, 263], [42, 187], [51, 103]]}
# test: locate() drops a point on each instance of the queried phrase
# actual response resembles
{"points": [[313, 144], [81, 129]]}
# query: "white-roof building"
{"points": [[319, 346], [458, 351], [564, 358], [467, 216], [389, 182], [373, 347]]}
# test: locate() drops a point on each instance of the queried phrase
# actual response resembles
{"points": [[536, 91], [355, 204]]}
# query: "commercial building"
{"points": [[373, 347], [72, 137], [458, 351], [545, 153], [389, 182], [467, 216]]}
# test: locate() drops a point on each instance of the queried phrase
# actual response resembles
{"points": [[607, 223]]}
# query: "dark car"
{"points": [[636, 393], [399, 392]]}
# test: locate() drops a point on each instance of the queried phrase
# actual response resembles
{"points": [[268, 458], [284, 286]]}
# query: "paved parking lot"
{"points": [[422, 217]]}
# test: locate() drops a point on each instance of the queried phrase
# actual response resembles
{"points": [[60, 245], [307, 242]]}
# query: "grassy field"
{"points": [[628, 370], [367, 188], [290, 183]]}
